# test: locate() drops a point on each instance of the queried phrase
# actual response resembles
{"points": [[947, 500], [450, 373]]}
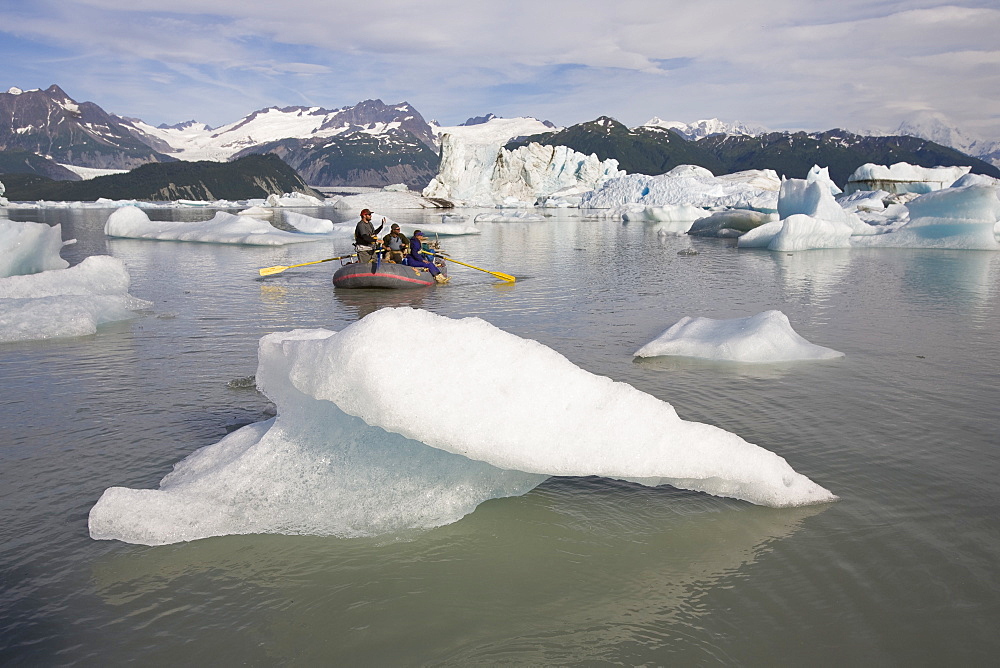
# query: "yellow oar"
{"points": [[501, 276], [267, 271]]}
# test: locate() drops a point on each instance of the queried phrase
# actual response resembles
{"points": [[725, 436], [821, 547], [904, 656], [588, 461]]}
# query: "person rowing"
{"points": [[415, 258], [365, 237]]}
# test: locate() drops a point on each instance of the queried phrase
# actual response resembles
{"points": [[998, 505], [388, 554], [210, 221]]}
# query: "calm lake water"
{"points": [[903, 570]]}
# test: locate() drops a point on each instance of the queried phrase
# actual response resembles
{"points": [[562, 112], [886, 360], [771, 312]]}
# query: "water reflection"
{"points": [[815, 275], [361, 302], [770, 371], [967, 276], [641, 559]]}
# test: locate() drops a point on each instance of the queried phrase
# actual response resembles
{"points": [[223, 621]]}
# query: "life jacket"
{"points": [[395, 243]]}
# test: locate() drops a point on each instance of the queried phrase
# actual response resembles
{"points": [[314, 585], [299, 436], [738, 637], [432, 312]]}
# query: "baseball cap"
{"points": [[366, 212]]}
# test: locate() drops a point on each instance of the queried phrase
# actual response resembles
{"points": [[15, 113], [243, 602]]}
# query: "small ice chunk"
{"points": [[764, 338]]}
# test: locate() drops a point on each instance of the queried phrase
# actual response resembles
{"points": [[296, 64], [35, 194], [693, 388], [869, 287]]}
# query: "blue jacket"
{"points": [[415, 247]]}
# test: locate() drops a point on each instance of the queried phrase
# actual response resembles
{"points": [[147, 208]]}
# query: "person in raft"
{"points": [[365, 239], [417, 258], [396, 244]]}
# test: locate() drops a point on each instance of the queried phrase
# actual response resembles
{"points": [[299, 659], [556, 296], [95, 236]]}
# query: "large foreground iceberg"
{"points": [[225, 228], [758, 339], [66, 302], [355, 450]]}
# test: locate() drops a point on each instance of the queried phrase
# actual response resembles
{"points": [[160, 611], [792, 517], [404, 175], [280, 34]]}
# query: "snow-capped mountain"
{"points": [[936, 128], [704, 128], [197, 141], [51, 124]]}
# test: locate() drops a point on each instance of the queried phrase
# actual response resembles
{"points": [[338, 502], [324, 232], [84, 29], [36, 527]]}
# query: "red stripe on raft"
{"points": [[381, 275]]}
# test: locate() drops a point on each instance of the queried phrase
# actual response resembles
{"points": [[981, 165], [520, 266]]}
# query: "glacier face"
{"points": [[473, 174]]}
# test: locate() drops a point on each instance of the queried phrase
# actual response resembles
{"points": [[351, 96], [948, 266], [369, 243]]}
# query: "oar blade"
{"points": [[267, 271]]}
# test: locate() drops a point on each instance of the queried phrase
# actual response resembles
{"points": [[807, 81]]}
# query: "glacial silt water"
{"points": [[902, 570]]}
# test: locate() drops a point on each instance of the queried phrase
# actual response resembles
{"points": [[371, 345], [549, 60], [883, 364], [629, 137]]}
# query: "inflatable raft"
{"points": [[385, 275]]}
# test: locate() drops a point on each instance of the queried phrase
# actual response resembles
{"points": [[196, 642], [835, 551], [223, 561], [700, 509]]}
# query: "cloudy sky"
{"points": [[780, 64]]}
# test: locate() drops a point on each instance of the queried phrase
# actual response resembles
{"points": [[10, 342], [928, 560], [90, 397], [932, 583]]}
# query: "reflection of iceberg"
{"points": [[817, 273], [952, 277], [494, 429], [654, 563]]}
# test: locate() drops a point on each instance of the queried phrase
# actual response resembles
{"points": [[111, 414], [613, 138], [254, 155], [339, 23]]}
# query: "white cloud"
{"points": [[773, 62]]}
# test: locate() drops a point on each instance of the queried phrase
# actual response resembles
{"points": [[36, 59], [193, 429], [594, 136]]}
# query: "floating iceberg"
{"points": [[732, 222], [516, 217], [764, 338], [28, 248], [257, 212], [689, 185], [453, 228], [308, 224], [671, 220], [382, 199], [903, 177], [355, 452], [961, 218], [225, 228], [796, 233], [299, 200], [66, 302], [810, 218], [814, 198]]}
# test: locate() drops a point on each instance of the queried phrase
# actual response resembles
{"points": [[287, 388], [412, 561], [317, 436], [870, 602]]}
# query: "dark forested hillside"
{"points": [[252, 177], [359, 159], [654, 151], [26, 162], [638, 151], [793, 154]]}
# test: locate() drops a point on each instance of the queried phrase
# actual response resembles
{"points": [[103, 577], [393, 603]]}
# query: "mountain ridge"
{"points": [[377, 144]]}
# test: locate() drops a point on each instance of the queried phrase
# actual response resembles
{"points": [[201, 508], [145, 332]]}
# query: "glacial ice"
{"points": [[28, 248], [903, 177], [473, 174], [381, 200], [354, 451], [764, 338], [308, 224], [293, 200], [726, 223], [516, 217], [448, 227], [689, 185], [69, 302], [225, 228], [961, 218]]}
